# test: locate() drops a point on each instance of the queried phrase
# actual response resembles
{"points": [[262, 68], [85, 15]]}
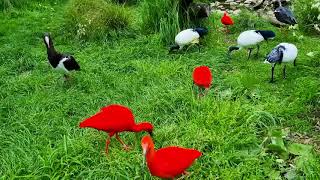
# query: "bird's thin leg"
{"points": [[206, 90], [250, 51], [199, 92], [284, 72], [194, 89], [66, 77], [126, 147], [295, 63], [107, 145], [272, 72], [188, 48], [108, 142], [198, 47], [185, 174], [258, 46]]}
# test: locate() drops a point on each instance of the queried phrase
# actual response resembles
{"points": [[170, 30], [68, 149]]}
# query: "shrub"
{"points": [[161, 16], [245, 20], [8, 4], [95, 19], [169, 27], [308, 14], [167, 17]]}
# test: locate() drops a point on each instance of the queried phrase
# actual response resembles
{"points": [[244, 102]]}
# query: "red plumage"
{"points": [[226, 20], [202, 76], [114, 119], [168, 162]]}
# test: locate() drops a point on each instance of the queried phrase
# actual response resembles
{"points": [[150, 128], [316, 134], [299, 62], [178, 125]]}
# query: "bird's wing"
{"points": [[276, 55], [187, 37], [285, 15], [290, 16], [71, 64], [174, 160]]}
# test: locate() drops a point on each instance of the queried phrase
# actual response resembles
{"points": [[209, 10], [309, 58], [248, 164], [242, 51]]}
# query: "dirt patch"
{"points": [[305, 139]]}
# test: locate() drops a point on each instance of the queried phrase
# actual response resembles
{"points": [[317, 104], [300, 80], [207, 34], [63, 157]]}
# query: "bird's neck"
{"points": [[138, 127], [51, 51], [150, 156], [53, 55]]}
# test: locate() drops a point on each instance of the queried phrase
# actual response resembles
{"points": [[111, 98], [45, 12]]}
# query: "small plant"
{"points": [[95, 19], [295, 160], [308, 12], [245, 20]]}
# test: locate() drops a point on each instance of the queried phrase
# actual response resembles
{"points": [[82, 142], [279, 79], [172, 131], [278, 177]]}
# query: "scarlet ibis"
{"points": [[226, 20], [187, 37], [114, 119], [250, 38], [282, 53], [168, 162], [202, 77], [58, 61]]}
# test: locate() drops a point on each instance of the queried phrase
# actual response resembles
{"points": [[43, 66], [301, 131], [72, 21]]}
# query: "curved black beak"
{"points": [[151, 133]]}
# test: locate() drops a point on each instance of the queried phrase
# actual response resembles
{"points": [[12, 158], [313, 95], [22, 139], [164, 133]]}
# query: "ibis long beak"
{"points": [[267, 62], [144, 149]]}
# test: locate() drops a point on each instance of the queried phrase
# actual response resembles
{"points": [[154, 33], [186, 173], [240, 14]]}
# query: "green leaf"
{"points": [[279, 149], [300, 149], [291, 174]]}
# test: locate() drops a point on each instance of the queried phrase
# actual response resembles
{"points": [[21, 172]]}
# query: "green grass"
{"points": [[40, 113]]}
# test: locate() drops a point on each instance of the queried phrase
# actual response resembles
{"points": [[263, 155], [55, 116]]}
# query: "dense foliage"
{"points": [[95, 19], [308, 12]]}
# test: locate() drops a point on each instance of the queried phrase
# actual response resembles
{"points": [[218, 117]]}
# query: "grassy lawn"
{"points": [[40, 113]]}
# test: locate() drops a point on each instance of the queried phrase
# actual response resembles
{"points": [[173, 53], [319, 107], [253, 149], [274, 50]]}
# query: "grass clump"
{"points": [[95, 19], [308, 13], [9, 4], [163, 17], [246, 21]]}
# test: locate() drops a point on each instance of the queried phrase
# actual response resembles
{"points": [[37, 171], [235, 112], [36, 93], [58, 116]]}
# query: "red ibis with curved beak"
{"points": [[168, 162], [202, 77], [226, 20], [114, 119]]}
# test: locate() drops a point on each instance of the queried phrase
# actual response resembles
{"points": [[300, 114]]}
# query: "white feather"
{"points": [[249, 38], [60, 66], [187, 37], [290, 53]]}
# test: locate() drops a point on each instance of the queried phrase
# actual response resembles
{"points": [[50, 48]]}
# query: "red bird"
{"points": [[226, 20], [168, 162], [202, 77], [114, 119]]}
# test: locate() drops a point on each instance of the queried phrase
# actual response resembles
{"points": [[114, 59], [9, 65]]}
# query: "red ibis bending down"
{"points": [[167, 162], [202, 78], [114, 119], [226, 20]]}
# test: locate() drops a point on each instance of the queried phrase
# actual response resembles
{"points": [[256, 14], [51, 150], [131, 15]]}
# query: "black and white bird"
{"points": [[284, 15], [58, 61], [282, 53], [249, 39], [188, 37]]}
